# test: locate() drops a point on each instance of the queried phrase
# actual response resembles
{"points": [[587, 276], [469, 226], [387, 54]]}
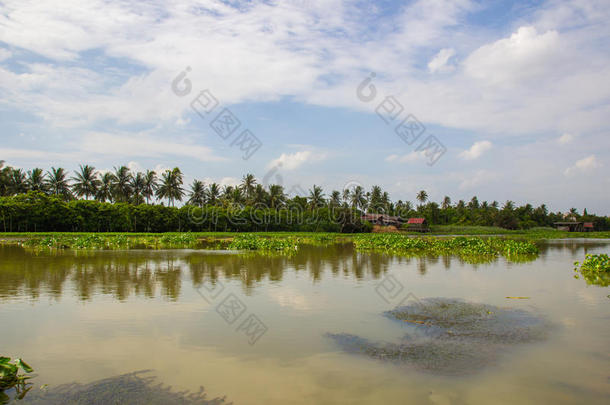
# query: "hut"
{"points": [[382, 219], [589, 227], [570, 226], [418, 225]]}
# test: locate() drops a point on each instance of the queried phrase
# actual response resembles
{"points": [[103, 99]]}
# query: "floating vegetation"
{"points": [[128, 389], [471, 249], [254, 242], [12, 379], [450, 336], [595, 269], [120, 241]]}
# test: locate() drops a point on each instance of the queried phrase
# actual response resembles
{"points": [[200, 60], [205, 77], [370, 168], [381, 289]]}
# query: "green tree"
{"points": [[85, 182], [197, 193], [121, 188], [36, 180], [248, 183], [104, 191], [316, 197], [171, 186], [57, 183], [150, 185]]}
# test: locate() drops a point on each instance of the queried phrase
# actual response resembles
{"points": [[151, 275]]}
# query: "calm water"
{"points": [[79, 317]]}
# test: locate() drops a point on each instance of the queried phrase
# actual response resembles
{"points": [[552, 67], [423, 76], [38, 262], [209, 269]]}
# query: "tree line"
{"points": [[141, 190]]}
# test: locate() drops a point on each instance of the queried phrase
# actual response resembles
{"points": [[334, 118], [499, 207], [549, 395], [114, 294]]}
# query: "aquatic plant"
{"points": [[595, 269], [11, 378], [254, 242], [471, 249]]}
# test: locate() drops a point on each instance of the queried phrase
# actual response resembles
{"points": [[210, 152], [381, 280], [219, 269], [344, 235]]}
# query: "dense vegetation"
{"points": [[122, 201], [468, 248], [595, 269]]}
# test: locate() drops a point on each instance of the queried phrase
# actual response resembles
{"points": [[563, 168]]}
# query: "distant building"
{"points": [[418, 225], [570, 226], [589, 227], [382, 219]]}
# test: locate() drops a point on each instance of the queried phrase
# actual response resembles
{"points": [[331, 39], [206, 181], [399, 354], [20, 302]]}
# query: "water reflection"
{"points": [[149, 273]]}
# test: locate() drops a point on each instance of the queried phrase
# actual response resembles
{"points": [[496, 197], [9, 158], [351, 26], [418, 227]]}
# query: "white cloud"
{"points": [[407, 158], [439, 62], [566, 139], [523, 55], [476, 150], [583, 165], [291, 161]]}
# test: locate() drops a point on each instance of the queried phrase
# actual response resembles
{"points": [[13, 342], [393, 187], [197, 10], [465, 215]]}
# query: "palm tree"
{"points": [[212, 194], [358, 198], [17, 182], [316, 197], [36, 180], [57, 183], [171, 186], [4, 182], [509, 206], [335, 198], [85, 183], [104, 191], [121, 188], [138, 183], [277, 196], [247, 185], [446, 202], [197, 193], [259, 195], [150, 185], [346, 196], [422, 197]]}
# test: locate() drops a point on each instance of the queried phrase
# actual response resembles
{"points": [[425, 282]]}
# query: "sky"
{"points": [[502, 100]]}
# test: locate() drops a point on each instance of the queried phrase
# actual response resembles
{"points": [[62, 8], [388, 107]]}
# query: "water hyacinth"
{"points": [[595, 269], [465, 247], [254, 242]]}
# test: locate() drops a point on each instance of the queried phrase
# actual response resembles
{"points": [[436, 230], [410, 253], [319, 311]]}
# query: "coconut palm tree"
{"points": [[57, 183], [171, 186], [121, 188], [17, 182], [446, 202], [316, 197], [357, 198], [422, 197], [4, 176], [277, 197], [212, 194], [197, 193], [36, 180], [150, 185], [335, 198], [138, 184], [104, 191], [85, 183], [248, 182]]}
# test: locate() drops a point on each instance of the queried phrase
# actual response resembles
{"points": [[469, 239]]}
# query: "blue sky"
{"points": [[518, 93]]}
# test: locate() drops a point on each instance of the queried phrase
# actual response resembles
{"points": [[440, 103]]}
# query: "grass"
{"points": [[533, 233]]}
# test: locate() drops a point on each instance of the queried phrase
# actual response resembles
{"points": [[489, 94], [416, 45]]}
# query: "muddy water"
{"points": [[255, 329]]}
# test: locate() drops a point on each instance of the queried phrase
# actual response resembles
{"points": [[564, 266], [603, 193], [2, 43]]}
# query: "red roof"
{"points": [[588, 224], [416, 220]]}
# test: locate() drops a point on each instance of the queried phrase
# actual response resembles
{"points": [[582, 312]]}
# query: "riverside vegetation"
{"points": [[595, 269]]}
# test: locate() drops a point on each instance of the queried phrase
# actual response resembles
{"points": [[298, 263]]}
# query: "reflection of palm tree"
{"points": [[85, 183], [57, 183], [197, 193]]}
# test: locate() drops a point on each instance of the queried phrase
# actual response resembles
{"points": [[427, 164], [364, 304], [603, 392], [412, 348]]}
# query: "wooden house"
{"points": [[570, 226], [589, 227], [382, 219], [418, 225]]}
